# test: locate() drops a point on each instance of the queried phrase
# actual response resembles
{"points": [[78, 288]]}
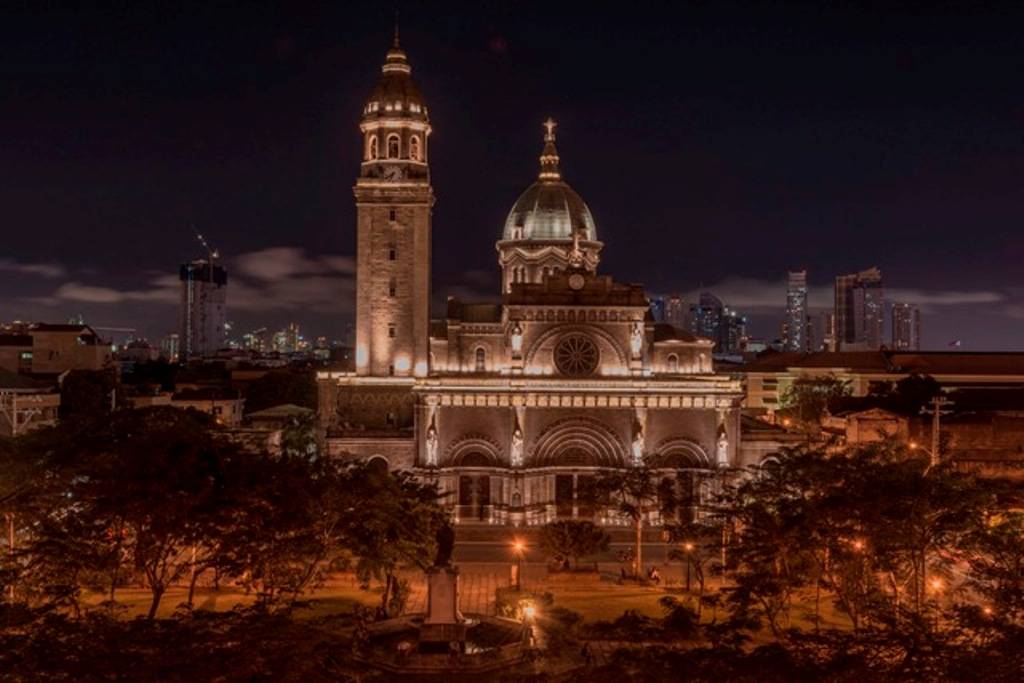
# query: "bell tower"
{"points": [[394, 202]]}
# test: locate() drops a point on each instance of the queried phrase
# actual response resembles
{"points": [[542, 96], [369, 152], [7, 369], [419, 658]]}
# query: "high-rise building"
{"points": [[675, 312], [658, 309], [394, 202], [711, 319], [795, 329], [828, 331], [170, 347], [906, 327], [706, 316], [204, 287], [860, 311]]}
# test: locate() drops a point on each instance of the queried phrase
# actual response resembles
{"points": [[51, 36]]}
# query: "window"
{"points": [[481, 360], [392, 252], [391, 370], [392, 215], [391, 330], [414, 148], [392, 287], [374, 148], [394, 147], [673, 363]]}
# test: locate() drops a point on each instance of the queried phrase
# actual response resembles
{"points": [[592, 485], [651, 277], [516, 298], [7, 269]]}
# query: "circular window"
{"points": [[576, 355]]}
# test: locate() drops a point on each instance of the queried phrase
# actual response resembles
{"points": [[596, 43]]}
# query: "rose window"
{"points": [[576, 355]]}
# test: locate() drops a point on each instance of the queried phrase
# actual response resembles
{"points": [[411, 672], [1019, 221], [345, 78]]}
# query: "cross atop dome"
{"points": [[549, 126], [549, 157]]}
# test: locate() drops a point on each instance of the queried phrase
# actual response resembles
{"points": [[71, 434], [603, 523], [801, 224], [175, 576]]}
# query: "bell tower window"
{"points": [[373, 150], [394, 147], [392, 252], [414, 148], [392, 288], [481, 359]]}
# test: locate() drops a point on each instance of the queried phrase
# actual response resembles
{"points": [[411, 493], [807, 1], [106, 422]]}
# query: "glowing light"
{"points": [[936, 584], [688, 547], [362, 356], [913, 445], [529, 612], [987, 610], [858, 545], [518, 546], [402, 364], [421, 368]]}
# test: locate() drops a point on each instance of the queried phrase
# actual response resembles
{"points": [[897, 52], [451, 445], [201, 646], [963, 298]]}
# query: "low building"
{"points": [[225, 405], [50, 349], [26, 403], [771, 374]]}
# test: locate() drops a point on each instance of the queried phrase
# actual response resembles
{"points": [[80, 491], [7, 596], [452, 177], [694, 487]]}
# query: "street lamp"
{"points": [[688, 547], [518, 548]]}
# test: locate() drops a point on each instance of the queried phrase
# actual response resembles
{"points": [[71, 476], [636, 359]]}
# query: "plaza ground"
{"points": [[485, 566]]}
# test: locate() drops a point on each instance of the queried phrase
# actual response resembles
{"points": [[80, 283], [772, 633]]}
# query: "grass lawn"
{"points": [[337, 598]]}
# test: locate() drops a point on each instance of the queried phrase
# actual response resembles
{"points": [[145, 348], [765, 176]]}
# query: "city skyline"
{"points": [[265, 169]]}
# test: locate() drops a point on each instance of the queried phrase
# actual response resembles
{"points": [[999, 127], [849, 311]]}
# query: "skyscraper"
{"points": [[711, 319], [906, 327], [795, 337], [204, 287], [860, 310], [675, 312]]}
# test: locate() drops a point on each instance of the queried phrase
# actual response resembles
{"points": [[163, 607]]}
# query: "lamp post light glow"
{"points": [[518, 549], [688, 547]]}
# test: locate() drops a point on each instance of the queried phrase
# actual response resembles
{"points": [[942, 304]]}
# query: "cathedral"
{"points": [[514, 406]]}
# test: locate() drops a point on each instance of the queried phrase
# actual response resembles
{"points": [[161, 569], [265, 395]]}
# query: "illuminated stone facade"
{"points": [[518, 404]]}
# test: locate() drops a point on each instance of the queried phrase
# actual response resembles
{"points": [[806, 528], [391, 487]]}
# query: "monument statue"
{"points": [[445, 544]]}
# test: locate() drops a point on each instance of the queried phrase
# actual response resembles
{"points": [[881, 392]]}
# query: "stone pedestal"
{"points": [[443, 624]]}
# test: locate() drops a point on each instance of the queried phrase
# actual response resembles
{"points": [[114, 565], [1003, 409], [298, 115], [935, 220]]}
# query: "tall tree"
{"points": [[573, 539], [633, 492]]}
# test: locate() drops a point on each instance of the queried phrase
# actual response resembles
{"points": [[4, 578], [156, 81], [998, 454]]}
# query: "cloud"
{"points": [[277, 263], [161, 292], [50, 270], [276, 279]]}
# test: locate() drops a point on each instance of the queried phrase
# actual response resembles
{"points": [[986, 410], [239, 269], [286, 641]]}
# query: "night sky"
{"points": [[717, 144]]}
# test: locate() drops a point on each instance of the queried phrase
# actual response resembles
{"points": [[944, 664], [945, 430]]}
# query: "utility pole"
{"points": [[936, 411]]}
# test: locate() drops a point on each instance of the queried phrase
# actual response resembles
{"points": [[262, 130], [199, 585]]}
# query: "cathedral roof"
{"points": [[549, 209]]}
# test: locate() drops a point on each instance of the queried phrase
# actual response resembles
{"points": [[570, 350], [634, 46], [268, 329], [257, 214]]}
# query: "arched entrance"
{"points": [[475, 489]]}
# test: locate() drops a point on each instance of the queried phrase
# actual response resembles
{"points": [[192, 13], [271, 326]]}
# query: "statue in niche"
{"points": [[517, 340], [638, 443], [636, 339], [517, 447], [722, 447], [432, 445]]}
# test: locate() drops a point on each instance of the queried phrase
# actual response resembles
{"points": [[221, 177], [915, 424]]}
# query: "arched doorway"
{"points": [[475, 488]]}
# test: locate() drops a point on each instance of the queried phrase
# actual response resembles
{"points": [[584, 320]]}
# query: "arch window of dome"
{"points": [[373, 149], [388, 107], [481, 359], [673, 363], [398, 105], [414, 148], [394, 147]]}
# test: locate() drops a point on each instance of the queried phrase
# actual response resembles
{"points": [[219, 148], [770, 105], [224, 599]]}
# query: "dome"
{"points": [[395, 94], [550, 209]]}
